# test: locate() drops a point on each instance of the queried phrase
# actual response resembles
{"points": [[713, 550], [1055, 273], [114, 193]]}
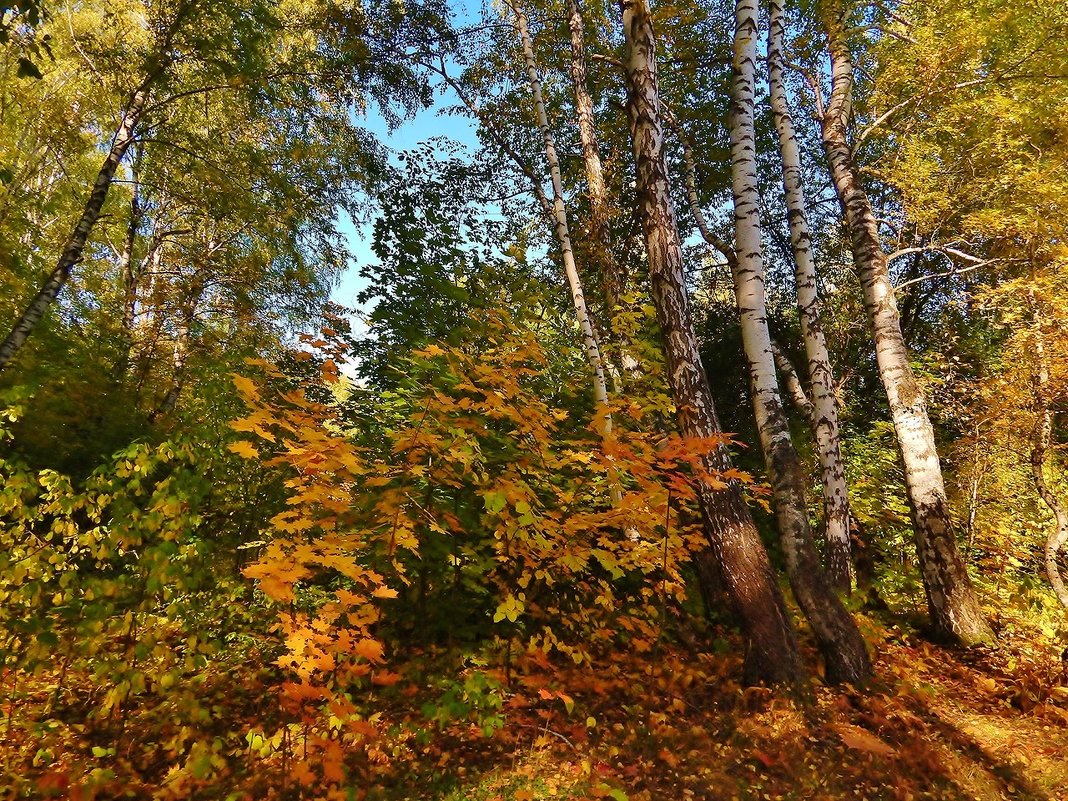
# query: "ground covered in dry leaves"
{"points": [[675, 726], [667, 725]]}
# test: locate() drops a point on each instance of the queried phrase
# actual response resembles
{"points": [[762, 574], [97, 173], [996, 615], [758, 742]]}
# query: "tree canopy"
{"points": [[695, 428]]}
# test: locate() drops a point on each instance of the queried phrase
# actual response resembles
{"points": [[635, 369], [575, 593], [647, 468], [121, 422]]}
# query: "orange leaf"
{"points": [[385, 678], [861, 740], [371, 650]]}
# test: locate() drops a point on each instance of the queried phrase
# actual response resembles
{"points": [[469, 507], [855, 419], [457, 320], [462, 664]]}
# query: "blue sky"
{"points": [[425, 125]]}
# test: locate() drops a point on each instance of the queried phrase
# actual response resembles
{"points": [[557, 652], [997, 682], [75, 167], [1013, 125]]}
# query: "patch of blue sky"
{"points": [[428, 124]]}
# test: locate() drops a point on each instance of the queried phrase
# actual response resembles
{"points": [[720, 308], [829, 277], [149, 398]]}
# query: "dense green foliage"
{"points": [[256, 544]]}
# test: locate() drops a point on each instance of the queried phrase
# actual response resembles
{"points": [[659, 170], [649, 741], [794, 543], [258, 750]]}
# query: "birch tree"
{"points": [[611, 276], [158, 63], [840, 642], [79, 235], [1040, 445], [562, 229], [747, 574], [954, 607], [824, 405]]}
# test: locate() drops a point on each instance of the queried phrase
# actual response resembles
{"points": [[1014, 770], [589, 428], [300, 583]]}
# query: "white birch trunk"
{"points": [[951, 599], [824, 419], [839, 640], [563, 236], [1041, 438], [611, 279], [75, 244]]}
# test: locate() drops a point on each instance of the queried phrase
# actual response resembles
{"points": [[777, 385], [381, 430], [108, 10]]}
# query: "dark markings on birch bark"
{"points": [[841, 645], [1040, 443], [824, 418], [951, 598], [792, 382], [79, 235], [129, 270], [183, 341], [562, 228], [771, 653], [612, 279]]}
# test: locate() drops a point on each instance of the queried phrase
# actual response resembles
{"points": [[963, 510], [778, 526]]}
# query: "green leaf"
{"points": [[495, 502]]}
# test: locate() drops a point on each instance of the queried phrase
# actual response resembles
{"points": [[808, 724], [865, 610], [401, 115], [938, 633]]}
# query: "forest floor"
{"points": [[673, 726], [669, 724]]}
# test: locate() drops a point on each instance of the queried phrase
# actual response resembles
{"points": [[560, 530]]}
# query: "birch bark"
{"points": [[563, 235], [1040, 443], [951, 598], [79, 235], [843, 649], [611, 278], [824, 418], [180, 360], [771, 653], [560, 221]]}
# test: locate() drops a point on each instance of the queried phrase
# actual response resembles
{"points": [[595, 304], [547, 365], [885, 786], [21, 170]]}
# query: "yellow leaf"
{"points": [[245, 386], [244, 449], [385, 592]]}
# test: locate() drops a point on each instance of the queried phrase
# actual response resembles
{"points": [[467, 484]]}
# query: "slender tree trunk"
{"points": [[772, 653], [611, 277], [130, 275], [1040, 443], [825, 407], [839, 640], [147, 325], [951, 598], [793, 385], [563, 236], [75, 244], [182, 343]]}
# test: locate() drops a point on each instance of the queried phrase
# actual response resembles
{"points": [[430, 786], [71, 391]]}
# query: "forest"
{"points": [[678, 410]]}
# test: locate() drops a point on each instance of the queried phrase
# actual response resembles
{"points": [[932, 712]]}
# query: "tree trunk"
{"points": [[771, 653], [1040, 444], [75, 244], [793, 384], [611, 278], [130, 276], [839, 640], [951, 599], [563, 236], [182, 344], [825, 407]]}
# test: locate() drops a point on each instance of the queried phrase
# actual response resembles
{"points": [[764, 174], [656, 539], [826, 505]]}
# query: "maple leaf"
{"points": [[246, 387], [370, 649], [244, 449]]}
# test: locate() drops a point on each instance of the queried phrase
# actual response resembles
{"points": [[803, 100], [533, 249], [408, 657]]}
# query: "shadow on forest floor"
{"points": [[937, 724]]}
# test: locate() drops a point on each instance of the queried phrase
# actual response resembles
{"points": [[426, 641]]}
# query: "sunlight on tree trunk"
{"points": [[824, 416], [772, 653], [843, 649], [954, 607], [1041, 438]]}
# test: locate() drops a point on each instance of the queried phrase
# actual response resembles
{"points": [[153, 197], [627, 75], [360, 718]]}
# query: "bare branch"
{"points": [[814, 85]]}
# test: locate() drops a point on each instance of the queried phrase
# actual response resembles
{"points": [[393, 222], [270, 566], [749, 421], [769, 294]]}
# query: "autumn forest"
{"points": [[536, 399]]}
